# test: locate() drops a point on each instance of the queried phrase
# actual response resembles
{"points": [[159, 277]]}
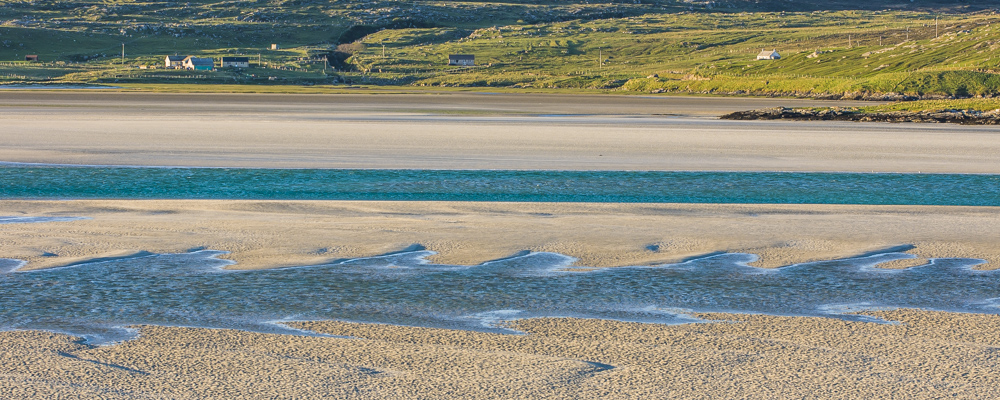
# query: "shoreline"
{"points": [[468, 233], [13, 164]]}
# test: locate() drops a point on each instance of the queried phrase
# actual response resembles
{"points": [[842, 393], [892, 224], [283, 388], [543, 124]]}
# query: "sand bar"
{"points": [[467, 131], [266, 234]]}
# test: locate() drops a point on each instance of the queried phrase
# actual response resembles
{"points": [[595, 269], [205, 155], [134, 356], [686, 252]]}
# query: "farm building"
{"points": [[200, 64], [174, 61], [235, 62], [31, 57], [768, 55], [465, 60]]}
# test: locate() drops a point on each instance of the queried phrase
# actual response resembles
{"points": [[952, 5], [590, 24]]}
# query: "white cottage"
{"points": [[199, 64], [175, 61], [235, 62], [768, 55]]}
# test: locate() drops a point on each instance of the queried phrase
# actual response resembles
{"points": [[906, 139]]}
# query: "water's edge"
{"points": [[101, 301]]}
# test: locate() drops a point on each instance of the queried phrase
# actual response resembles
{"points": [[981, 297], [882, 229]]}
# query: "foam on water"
{"points": [[194, 289]]}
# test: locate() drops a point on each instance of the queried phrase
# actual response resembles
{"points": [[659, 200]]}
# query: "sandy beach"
{"points": [[469, 131], [924, 354]]}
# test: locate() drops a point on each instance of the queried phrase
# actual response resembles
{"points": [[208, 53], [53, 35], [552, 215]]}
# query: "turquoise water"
{"points": [[18, 182], [97, 300], [192, 289]]}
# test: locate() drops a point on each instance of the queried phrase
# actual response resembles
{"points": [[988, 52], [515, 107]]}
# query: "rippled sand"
{"points": [[264, 234], [926, 355]]}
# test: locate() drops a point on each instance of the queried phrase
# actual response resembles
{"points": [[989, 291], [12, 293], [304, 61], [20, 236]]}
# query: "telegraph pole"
{"points": [[123, 55], [935, 26]]}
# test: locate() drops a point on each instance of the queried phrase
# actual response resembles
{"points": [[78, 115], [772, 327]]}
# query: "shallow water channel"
{"points": [[97, 300]]}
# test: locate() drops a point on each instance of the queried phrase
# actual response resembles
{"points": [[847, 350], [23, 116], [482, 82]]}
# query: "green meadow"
{"points": [[624, 47]]}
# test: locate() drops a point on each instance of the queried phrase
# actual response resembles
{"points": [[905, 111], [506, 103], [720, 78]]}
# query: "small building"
{"points": [[31, 57], [768, 55], [199, 64], [274, 46], [236, 62], [465, 60], [174, 61]]}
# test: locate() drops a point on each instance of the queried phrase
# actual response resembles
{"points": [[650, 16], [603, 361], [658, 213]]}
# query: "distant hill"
{"points": [[830, 48]]}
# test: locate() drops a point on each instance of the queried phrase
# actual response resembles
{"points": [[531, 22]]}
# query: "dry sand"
{"points": [[264, 234], [928, 355], [468, 131]]}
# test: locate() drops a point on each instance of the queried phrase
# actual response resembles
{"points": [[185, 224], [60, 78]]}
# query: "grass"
{"points": [[653, 46], [698, 53], [935, 105]]}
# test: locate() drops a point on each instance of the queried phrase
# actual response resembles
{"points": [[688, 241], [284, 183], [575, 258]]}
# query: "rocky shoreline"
{"points": [[965, 117]]}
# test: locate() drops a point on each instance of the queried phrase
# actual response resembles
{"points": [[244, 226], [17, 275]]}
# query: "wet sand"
{"points": [[926, 355], [266, 234], [468, 131]]}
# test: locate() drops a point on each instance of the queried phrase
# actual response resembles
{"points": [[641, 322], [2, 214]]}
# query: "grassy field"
{"points": [[823, 53], [630, 47], [935, 105]]}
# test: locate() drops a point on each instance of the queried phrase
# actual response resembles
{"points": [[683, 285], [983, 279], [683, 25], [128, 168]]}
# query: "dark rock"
{"points": [[967, 117]]}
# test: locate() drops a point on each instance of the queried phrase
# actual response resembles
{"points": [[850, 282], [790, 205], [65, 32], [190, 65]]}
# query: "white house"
{"points": [[175, 61], [236, 62], [465, 60], [768, 55], [200, 64]]}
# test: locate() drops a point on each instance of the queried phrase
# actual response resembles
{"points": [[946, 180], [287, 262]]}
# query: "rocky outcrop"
{"points": [[967, 117]]}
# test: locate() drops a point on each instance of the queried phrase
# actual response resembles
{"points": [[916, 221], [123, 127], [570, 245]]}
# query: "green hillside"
{"points": [[823, 53], [916, 49]]}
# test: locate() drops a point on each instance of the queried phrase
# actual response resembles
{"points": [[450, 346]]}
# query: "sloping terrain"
{"points": [[879, 49]]}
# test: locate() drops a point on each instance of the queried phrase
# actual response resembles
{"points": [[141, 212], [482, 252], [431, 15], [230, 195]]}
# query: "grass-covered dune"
{"points": [[961, 111], [834, 49]]}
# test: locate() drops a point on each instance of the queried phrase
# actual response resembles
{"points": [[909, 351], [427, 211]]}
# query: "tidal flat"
{"points": [[124, 296], [469, 131], [631, 347]]}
